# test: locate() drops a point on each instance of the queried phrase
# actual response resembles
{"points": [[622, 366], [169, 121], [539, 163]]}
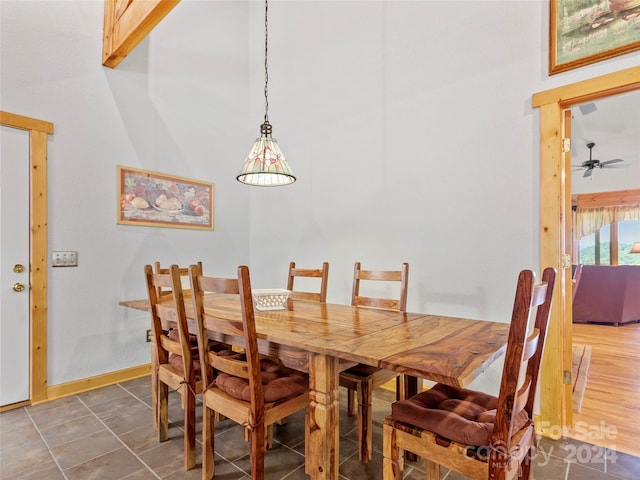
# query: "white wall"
{"points": [[176, 105], [408, 124]]}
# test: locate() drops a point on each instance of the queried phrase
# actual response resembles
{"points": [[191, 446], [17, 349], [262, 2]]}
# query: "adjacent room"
{"points": [[606, 289]]}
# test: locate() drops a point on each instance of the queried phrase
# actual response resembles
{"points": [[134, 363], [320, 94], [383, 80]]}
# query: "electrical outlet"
{"points": [[64, 259], [148, 335]]}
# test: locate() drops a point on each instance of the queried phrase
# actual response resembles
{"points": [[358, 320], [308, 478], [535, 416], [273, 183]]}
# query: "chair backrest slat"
{"points": [[523, 395], [531, 345], [164, 289], [401, 276], [321, 273]]}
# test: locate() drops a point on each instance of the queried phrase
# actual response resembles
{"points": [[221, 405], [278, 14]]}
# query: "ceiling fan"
{"points": [[589, 165]]}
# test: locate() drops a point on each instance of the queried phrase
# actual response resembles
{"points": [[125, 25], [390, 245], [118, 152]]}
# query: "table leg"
{"points": [[322, 419]]}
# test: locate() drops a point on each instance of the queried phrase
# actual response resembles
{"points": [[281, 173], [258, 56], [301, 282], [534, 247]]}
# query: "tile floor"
{"points": [[107, 434]]}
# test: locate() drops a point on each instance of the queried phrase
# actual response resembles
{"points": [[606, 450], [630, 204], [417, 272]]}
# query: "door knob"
{"points": [[18, 287], [18, 268]]}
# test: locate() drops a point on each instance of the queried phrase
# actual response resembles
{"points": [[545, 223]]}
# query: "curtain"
{"points": [[591, 219]]}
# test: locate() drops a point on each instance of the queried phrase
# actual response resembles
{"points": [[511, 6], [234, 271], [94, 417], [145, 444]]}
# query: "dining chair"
{"points": [[475, 434], [322, 273], [254, 392], [173, 333], [361, 380], [174, 357]]}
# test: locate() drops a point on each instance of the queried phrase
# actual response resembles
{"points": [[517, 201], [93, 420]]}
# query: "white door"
{"points": [[14, 252]]}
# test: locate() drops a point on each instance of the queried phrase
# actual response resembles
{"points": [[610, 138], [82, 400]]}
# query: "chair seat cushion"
{"points": [[461, 415], [278, 382]]}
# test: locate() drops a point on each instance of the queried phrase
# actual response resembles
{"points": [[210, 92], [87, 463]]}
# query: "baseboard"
{"points": [[12, 406], [91, 383]]}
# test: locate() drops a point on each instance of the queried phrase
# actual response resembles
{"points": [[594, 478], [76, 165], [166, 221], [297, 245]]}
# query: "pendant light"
{"points": [[266, 166]]}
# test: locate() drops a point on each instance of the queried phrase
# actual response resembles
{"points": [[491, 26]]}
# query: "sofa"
{"points": [[607, 294]]}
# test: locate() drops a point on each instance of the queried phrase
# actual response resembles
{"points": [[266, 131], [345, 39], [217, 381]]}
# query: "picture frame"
{"points": [[581, 33], [154, 199]]}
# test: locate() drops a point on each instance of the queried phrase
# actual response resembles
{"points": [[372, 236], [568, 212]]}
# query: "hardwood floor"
{"points": [[610, 415]]}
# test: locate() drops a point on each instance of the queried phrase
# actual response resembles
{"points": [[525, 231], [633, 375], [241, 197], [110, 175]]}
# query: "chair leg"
{"points": [[208, 429], [351, 402], [219, 417], [162, 402], [525, 467], [365, 421], [257, 449], [269, 437], [189, 430], [154, 386], [433, 469], [406, 386], [392, 462]]}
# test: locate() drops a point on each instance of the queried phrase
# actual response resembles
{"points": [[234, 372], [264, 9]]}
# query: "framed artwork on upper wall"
{"points": [[582, 32], [155, 199]]}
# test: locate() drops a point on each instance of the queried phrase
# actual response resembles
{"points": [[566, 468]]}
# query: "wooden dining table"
{"points": [[324, 338]]}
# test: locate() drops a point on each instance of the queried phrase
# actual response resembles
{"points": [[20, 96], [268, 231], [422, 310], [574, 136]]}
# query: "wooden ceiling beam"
{"points": [[126, 23]]}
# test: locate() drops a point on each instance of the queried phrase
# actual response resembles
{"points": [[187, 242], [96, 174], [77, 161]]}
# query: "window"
{"points": [[628, 234], [604, 226], [611, 241]]}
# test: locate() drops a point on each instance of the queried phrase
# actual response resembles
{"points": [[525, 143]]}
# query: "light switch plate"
{"points": [[64, 259]]}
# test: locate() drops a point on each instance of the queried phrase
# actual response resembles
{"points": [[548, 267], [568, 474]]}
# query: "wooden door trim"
{"points": [[38, 131], [555, 195]]}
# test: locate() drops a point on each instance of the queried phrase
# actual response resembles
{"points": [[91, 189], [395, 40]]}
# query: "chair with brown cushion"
{"points": [[252, 391], [361, 379], [322, 273], [172, 333], [174, 359], [475, 434]]}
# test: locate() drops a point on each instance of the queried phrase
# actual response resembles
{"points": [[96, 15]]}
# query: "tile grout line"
{"points": [[290, 448], [182, 430], [119, 439], [46, 444]]}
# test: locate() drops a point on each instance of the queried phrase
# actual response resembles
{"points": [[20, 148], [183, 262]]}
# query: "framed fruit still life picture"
{"points": [[156, 199]]}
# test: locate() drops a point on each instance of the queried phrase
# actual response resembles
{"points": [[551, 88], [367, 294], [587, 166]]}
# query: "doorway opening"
{"points": [[555, 248]]}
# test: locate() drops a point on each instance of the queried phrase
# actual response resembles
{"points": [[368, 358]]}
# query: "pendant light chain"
{"points": [[266, 165], [266, 63]]}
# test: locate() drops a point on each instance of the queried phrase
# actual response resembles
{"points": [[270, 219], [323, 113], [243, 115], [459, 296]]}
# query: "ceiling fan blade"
{"points": [[587, 172], [615, 160]]}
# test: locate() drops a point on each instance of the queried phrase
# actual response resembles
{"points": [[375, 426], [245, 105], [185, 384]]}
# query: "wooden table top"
{"points": [[443, 349]]}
